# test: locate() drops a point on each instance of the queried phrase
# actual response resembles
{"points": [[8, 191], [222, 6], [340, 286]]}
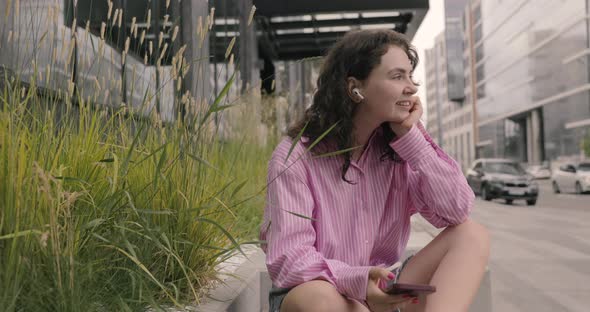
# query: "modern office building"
{"points": [[449, 114], [527, 77]]}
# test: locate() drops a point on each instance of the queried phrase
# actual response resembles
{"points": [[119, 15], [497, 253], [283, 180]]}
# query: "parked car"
{"points": [[502, 178], [572, 178], [539, 171]]}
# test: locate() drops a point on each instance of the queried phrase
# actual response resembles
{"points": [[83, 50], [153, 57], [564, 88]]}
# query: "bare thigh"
{"points": [[421, 267], [318, 296]]}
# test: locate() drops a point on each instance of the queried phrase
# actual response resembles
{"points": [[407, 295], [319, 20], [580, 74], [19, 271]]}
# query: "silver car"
{"points": [[572, 178], [502, 178]]}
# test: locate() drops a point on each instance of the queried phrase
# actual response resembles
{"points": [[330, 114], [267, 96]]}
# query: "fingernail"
{"points": [[406, 296], [391, 276], [415, 301], [381, 284]]}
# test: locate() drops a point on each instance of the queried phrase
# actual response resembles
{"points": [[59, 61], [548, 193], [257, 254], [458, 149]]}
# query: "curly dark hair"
{"points": [[354, 55]]}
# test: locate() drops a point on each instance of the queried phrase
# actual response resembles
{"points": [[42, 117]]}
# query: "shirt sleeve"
{"points": [[437, 187], [291, 256]]}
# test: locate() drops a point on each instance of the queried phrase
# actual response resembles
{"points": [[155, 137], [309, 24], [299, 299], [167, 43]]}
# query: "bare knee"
{"points": [[316, 296], [310, 296], [474, 234]]}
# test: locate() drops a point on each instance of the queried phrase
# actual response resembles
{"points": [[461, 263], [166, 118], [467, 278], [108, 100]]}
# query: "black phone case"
{"points": [[409, 289]]}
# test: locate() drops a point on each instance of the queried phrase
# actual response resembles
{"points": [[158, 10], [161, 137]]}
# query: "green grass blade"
{"points": [[204, 162], [300, 216], [222, 229], [295, 141], [238, 188], [321, 137], [19, 234], [144, 269], [224, 92]]}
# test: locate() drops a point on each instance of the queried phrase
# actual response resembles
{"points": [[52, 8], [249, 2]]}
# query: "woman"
{"points": [[334, 221]]}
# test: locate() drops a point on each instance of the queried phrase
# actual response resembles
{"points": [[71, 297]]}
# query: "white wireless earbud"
{"points": [[358, 93]]}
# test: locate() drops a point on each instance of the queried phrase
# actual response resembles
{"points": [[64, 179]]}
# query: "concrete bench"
{"points": [[248, 290]]}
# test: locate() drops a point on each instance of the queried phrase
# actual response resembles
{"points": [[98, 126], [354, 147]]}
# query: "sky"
{"points": [[432, 25]]}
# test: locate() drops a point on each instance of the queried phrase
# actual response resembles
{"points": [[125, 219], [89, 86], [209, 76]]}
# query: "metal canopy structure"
{"points": [[283, 30], [295, 29], [286, 29]]}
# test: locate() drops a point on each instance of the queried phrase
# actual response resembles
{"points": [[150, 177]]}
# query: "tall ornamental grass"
{"points": [[103, 212], [102, 209]]}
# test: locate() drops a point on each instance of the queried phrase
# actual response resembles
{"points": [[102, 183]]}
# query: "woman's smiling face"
{"points": [[389, 87]]}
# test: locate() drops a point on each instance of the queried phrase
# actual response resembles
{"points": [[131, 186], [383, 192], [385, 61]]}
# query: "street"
{"points": [[540, 255]]}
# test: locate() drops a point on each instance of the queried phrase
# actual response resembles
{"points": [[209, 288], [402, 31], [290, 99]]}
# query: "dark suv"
{"points": [[502, 178]]}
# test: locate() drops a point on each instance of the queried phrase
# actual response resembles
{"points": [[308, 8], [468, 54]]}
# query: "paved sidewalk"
{"points": [[422, 233]]}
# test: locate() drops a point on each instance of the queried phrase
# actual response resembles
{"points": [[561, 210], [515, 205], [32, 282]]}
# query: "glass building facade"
{"points": [[449, 119], [531, 77]]}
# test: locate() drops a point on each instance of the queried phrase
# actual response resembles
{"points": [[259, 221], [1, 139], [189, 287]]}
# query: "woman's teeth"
{"points": [[403, 103]]}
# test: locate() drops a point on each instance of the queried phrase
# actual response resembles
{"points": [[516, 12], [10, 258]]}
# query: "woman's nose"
{"points": [[411, 89]]}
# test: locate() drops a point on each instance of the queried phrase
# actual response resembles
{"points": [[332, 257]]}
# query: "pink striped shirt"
{"points": [[355, 226]]}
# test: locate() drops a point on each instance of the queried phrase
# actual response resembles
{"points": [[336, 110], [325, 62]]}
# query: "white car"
{"points": [[539, 172], [572, 178]]}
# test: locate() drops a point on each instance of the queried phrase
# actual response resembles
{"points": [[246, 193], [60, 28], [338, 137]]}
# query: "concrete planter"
{"points": [[245, 290]]}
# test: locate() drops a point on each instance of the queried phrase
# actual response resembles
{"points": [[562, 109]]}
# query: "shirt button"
{"points": [[366, 242]]}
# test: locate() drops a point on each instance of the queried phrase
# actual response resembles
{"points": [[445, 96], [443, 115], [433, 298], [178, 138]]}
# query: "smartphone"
{"points": [[409, 289]]}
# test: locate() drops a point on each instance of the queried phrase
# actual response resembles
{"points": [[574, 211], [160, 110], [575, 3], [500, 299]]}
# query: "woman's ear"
{"points": [[354, 90]]}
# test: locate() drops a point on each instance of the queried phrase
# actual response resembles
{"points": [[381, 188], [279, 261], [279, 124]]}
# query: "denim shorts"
{"points": [[276, 295]]}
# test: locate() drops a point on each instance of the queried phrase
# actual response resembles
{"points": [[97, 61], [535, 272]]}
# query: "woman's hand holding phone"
{"points": [[401, 128], [377, 299]]}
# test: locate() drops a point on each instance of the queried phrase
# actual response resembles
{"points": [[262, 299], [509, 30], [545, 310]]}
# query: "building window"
{"points": [[469, 146], [479, 53], [476, 13], [462, 152], [464, 23], [457, 151], [477, 34], [481, 91], [480, 73]]}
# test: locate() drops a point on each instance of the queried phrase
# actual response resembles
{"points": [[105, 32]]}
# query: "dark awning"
{"points": [[295, 29], [286, 29]]}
